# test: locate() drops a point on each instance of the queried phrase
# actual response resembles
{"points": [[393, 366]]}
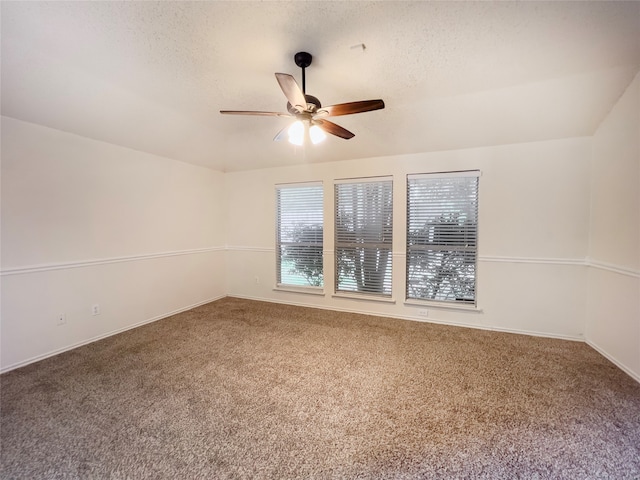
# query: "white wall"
{"points": [[85, 222], [613, 299], [533, 234]]}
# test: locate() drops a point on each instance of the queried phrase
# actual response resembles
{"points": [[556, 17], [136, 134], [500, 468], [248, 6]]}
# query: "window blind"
{"points": [[442, 234], [299, 234], [363, 236]]}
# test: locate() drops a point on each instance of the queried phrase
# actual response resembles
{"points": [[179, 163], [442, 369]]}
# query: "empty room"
{"points": [[350, 239]]}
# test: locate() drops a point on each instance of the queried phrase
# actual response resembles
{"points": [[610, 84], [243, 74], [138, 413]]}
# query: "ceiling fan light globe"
{"points": [[296, 133], [317, 134]]}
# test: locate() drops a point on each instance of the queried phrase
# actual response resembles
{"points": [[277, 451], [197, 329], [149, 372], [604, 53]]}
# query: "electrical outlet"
{"points": [[61, 319], [423, 313], [95, 310]]}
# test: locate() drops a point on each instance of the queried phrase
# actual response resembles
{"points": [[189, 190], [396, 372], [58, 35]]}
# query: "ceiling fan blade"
{"points": [[350, 108], [281, 134], [334, 129], [249, 112], [292, 91]]}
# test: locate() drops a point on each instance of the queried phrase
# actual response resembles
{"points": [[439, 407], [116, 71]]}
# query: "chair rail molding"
{"points": [[103, 261]]}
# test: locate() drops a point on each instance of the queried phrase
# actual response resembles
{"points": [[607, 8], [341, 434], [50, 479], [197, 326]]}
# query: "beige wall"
{"points": [[534, 221], [613, 298], [84, 223]]}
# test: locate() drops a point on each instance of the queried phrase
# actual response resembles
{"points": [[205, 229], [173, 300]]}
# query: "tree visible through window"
{"points": [[299, 245], [363, 236], [442, 228]]}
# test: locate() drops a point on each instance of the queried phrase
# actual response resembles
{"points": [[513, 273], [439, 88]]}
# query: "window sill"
{"points": [[366, 298], [442, 306], [304, 290]]}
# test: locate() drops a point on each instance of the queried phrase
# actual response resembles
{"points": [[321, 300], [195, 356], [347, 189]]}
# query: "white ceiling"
{"points": [[153, 76]]}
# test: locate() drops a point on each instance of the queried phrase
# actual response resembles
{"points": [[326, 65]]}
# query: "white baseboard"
{"points": [[612, 359], [577, 338], [58, 351], [52, 353]]}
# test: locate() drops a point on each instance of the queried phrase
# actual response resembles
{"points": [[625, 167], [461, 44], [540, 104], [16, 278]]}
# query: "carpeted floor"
{"points": [[243, 389]]}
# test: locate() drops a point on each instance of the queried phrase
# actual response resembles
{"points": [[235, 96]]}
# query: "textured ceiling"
{"points": [[153, 76]]}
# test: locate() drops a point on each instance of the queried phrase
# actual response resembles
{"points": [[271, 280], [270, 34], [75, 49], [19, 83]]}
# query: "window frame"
{"points": [[472, 205], [386, 243], [280, 285]]}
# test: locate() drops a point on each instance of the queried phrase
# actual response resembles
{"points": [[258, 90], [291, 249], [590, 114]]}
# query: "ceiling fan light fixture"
{"points": [[296, 133], [317, 134]]}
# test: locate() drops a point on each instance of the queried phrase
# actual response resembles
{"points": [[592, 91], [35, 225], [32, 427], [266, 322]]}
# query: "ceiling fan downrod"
{"points": [[303, 60]]}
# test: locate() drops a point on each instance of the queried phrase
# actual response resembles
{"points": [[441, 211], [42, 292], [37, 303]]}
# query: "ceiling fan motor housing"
{"points": [[311, 101]]}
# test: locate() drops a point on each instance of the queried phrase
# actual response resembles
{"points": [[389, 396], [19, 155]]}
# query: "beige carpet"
{"points": [[243, 389]]}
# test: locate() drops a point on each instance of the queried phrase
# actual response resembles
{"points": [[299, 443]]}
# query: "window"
{"points": [[363, 236], [299, 235], [442, 230]]}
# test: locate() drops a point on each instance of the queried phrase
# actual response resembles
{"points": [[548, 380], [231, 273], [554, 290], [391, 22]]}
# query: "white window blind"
{"points": [[363, 236], [299, 235], [442, 234]]}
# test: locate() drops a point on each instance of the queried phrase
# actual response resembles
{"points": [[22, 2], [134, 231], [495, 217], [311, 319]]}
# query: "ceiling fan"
{"points": [[310, 115]]}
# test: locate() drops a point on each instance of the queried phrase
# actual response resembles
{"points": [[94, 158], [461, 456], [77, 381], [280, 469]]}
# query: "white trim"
{"points": [[482, 258], [442, 306], [299, 184], [104, 261], [58, 351], [610, 267], [382, 178], [462, 173], [587, 262], [536, 260], [573, 338], [305, 290], [613, 360], [364, 297], [516, 331]]}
